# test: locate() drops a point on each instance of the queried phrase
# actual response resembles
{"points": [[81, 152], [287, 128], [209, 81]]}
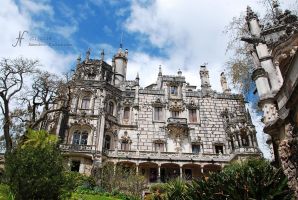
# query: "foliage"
{"points": [[245, 180], [5, 193], [35, 169], [122, 179], [250, 179]]}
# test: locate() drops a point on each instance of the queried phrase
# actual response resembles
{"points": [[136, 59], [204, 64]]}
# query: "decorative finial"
{"points": [[159, 73], [121, 40], [79, 59], [88, 55], [137, 77], [179, 72], [126, 52], [250, 14], [102, 54]]}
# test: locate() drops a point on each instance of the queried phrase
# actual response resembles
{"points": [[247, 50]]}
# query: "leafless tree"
{"points": [[48, 96], [12, 74]]}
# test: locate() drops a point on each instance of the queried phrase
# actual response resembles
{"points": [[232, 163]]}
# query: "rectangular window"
{"points": [[218, 149], [174, 90], [126, 113], [75, 165], [196, 148], [175, 113], [159, 147], [85, 103], [192, 115], [125, 146], [158, 113]]}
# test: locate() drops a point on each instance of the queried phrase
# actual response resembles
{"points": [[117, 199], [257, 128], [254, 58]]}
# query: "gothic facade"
{"points": [[274, 50], [167, 129]]}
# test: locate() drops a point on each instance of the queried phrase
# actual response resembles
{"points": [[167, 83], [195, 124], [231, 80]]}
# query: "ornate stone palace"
{"points": [[274, 51], [167, 129]]}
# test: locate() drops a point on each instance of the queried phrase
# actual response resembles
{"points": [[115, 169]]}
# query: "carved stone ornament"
{"points": [[288, 151], [259, 72], [158, 103], [176, 105], [192, 105], [126, 138]]}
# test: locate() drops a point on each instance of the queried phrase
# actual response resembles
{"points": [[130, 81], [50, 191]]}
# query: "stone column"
{"points": [[158, 173], [181, 171], [137, 168]]}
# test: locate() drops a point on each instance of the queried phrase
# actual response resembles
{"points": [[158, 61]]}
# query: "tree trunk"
{"points": [[6, 127]]}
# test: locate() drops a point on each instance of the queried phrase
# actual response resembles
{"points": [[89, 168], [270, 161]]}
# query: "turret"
{"points": [[120, 65], [261, 55], [267, 77], [205, 82]]}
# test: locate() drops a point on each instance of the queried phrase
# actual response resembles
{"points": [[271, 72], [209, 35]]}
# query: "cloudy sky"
{"points": [[176, 34]]}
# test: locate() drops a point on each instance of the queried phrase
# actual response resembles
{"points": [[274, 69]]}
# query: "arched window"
{"points": [[126, 113], [111, 108], [85, 103], [80, 138], [107, 142]]}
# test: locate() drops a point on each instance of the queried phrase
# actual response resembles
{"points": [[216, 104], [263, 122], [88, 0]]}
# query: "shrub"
{"points": [[35, 170]]}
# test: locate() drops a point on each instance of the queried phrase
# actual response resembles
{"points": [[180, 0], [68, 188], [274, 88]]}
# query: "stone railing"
{"points": [[78, 148], [171, 156]]}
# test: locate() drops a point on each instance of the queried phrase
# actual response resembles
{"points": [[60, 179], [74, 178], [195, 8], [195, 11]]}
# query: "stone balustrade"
{"points": [[169, 156], [78, 148]]}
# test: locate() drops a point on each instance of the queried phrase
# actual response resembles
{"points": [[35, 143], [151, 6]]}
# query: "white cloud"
{"points": [[12, 20]]}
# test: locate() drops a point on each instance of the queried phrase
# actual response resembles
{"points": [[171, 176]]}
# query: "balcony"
{"points": [[77, 148], [177, 126], [169, 156]]}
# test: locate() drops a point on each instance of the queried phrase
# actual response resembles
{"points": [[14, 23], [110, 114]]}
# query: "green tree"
{"points": [[250, 179], [34, 168]]}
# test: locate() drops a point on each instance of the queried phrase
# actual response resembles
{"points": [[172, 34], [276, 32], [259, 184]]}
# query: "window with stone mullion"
{"points": [[192, 115], [158, 114]]}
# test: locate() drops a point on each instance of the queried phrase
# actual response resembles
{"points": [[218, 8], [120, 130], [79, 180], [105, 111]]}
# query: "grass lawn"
{"points": [[4, 192], [91, 197], [4, 195]]}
